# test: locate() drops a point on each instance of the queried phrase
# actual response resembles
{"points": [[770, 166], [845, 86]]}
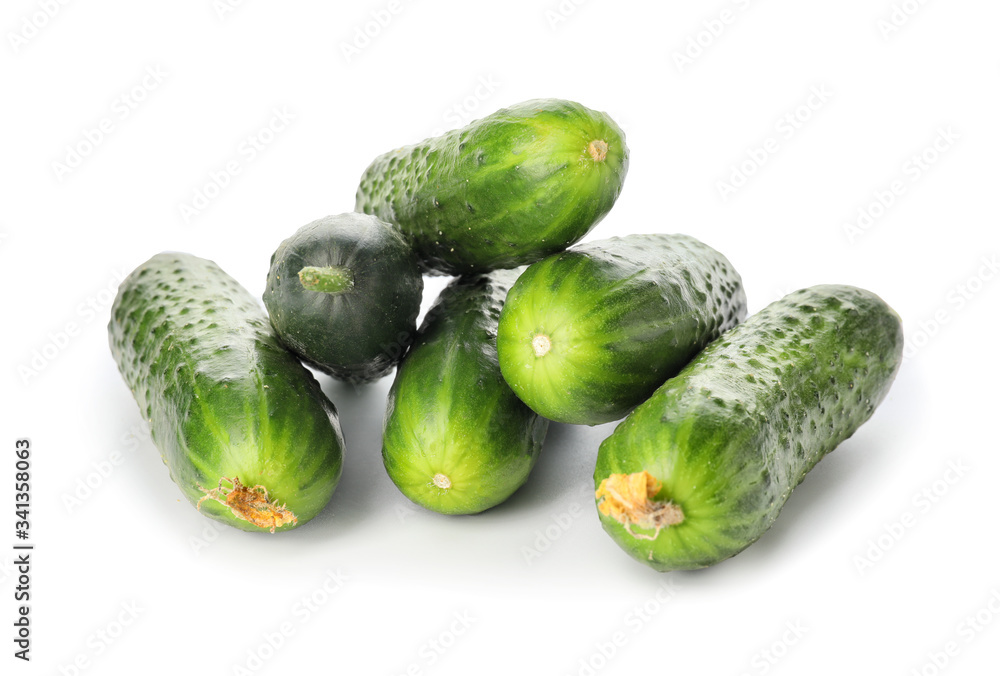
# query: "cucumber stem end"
{"points": [[330, 279]]}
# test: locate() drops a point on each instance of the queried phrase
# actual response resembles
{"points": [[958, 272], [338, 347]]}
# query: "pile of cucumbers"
{"points": [[723, 415]]}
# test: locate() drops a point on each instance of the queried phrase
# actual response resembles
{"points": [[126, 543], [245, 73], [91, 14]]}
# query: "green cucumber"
{"points": [[506, 190], [243, 427], [344, 293], [700, 471], [456, 439], [588, 334]]}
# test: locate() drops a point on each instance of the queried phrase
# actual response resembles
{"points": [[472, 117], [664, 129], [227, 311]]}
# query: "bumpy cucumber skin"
{"points": [[222, 394], [360, 334], [504, 191], [450, 412], [622, 316], [742, 424]]}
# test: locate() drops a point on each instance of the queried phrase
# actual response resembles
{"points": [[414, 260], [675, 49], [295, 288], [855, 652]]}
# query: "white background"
{"points": [[861, 600]]}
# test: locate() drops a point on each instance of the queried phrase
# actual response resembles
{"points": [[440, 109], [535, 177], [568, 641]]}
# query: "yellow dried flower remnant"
{"points": [[250, 504], [598, 149], [627, 498]]}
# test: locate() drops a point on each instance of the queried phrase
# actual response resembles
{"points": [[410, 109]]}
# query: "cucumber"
{"points": [[456, 439], [698, 472], [588, 334], [344, 293], [243, 427], [506, 190]]}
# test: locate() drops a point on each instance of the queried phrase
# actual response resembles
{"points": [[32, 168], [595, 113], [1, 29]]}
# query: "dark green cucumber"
{"points": [[456, 439], [700, 471], [344, 293], [504, 191], [588, 334], [243, 427]]}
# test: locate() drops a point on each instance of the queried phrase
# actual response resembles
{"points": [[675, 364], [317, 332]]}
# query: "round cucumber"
{"points": [[505, 190], [344, 293], [456, 439], [243, 427], [588, 334], [701, 470]]}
